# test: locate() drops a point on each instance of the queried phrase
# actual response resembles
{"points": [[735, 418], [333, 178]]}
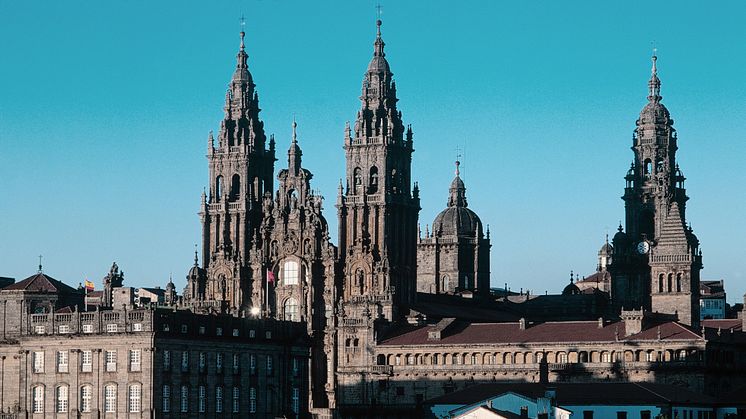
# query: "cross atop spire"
{"points": [[40, 269]]}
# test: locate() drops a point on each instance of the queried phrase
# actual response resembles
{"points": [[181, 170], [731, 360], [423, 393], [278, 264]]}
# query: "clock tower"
{"points": [[657, 260]]}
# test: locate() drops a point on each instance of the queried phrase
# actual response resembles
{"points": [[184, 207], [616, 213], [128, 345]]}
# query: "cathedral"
{"points": [[396, 315]]}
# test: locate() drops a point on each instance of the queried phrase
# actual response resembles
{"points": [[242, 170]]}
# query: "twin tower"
{"points": [[268, 252]]}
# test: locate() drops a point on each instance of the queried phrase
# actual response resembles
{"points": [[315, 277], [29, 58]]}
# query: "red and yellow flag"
{"points": [[89, 286]]}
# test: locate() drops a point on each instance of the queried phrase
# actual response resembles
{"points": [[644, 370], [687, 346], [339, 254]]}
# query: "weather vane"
{"points": [[243, 22], [379, 10]]}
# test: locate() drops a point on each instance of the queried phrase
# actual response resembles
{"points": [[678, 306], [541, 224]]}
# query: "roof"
{"points": [[497, 412], [157, 291], [40, 282], [598, 393], [735, 324], [462, 332]]}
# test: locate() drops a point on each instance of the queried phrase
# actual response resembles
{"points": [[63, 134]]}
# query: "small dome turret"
{"points": [[457, 219]]}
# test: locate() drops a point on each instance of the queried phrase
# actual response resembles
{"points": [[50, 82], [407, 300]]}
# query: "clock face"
{"points": [[643, 248]]}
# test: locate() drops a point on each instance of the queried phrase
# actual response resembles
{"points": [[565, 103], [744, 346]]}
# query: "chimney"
{"points": [[522, 323], [632, 321], [600, 322]]}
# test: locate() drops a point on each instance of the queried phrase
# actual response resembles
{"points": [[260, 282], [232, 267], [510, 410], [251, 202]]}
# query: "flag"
{"points": [[89, 286], [270, 277]]}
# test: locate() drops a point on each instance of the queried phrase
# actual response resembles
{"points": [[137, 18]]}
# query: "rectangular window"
{"points": [[63, 329], [235, 332], [219, 331], [236, 363], [269, 364], [587, 414], [252, 364], [166, 398], [236, 399], [112, 328], [166, 360], [202, 362], [252, 400], [135, 360], [38, 406], [202, 402], [218, 399], [183, 328], [290, 272], [111, 361], [296, 367], [184, 399], [268, 334], [110, 398], [40, 330], [219, 363], [63, 361], [86, 396], [137, 327], [86, 361], [62, 399], [202, 330], [185, 361], [252, 333], [295, 406], [38, 362], [135, 398], [645, 414], [621, 415], [87, 328]]}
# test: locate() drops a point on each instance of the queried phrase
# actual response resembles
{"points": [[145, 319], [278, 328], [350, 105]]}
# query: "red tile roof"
{"points": [[724, 324], [550, 332], [40, 283]]}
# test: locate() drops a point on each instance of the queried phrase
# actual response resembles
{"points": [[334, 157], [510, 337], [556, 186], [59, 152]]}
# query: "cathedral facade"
{"points": [[395, 317]]}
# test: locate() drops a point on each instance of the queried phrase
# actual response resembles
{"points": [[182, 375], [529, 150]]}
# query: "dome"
{"points": [[194, 272], [654, 112], [457, 221], [378, 64], [606, 249], [571, 289]]}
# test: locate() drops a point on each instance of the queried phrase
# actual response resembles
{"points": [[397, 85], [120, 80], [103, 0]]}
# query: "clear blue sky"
{"points": [[105, 109]]}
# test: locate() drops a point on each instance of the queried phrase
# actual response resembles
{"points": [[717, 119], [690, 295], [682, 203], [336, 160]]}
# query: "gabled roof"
{"points": [[40, 282]]}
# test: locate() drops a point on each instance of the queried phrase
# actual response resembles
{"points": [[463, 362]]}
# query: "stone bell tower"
{"points": [[241, 170], [656, 262], [377, 205]]}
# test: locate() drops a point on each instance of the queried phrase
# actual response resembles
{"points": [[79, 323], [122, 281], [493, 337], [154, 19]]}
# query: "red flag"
{"points": [[270, 277]]}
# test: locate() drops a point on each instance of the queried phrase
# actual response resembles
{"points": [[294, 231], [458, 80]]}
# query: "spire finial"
{"points": [[458, 163], [243, 33], [195, 254], [654, 84], [40, 269], [379, 11], [458, 160], [295, 125]]}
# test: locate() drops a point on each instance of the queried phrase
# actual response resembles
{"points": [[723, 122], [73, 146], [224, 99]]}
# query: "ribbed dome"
{"points": [[378, 65], [571, 289], [457, 221], [606, 249]]}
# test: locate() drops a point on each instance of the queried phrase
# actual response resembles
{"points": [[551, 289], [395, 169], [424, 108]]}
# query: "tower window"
{"points": [[373, 182], [235, 186], [670, 280], [218, 188], [290, 272], [659, 165], [357, 178], [291, 310], [648, 166], [660, 283], [678, 282]]}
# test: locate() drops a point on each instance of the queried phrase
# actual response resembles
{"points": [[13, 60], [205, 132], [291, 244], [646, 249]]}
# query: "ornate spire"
{"points": [[294, 153], [654, 85], [379, 44]]}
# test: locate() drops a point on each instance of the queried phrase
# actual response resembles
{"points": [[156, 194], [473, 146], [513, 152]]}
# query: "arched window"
{"points": [[61, 399], [605, 357], [660, 283], [184, 399], [235, 186], [373, 181], [38, 394], [357, 178], [381, 359], [167, 397], [110, 398], [562, 357], [678, 282], [218, 188], [435, 359], [659, 165], [648, 166], [291, 310], [446, 283], [134, 397], [290, 272], [86, 397]]}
